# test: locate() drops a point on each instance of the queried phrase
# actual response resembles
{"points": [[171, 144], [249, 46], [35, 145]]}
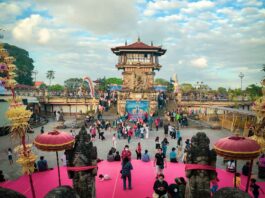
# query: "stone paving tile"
{"points": [[14, 171]]}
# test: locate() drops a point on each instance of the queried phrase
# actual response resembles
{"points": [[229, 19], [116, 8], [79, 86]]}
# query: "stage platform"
{"points": [[143, 177]]}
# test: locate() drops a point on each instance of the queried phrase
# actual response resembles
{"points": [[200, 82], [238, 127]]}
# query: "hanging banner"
{"points": [[160, 88], [114, 87], [136, 109]]}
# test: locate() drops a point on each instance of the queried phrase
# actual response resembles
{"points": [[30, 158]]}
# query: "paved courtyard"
{"points": [[14, 171]]}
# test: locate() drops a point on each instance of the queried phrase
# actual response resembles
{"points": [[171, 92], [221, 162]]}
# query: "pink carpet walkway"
{"points": [[143, 177]]}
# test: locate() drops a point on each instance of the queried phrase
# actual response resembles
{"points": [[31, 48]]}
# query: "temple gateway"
{"points": [[138, 62]]}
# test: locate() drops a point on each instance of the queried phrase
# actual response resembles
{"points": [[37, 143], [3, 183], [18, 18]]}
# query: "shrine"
{"points": [[138, 62]]}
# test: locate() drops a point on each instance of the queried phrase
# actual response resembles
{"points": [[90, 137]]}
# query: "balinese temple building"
{"points": [[138, 62]]}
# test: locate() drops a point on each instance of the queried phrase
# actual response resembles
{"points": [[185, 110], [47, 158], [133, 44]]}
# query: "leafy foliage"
{"points": [[161, 81], [50, 75], [222, 91], [114, 80], [23, 62], [56, 87], [254, 91], [186, 88]]}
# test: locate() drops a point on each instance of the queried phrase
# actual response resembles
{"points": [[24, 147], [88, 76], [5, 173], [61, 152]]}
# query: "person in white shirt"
{"points": [[63, 159], [146, 131], [114, 141], [231, 167]]}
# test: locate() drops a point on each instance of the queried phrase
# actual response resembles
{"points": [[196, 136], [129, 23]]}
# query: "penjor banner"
{"points": [[136, 109]]}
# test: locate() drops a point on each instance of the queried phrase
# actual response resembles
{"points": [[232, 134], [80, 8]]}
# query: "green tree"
{"points": [[56, 87], [186, 88], [50, 76], [114, 80], [43, 86], [161, 81], [253, 91], [73, 84], [222, 91], [23, 63]]}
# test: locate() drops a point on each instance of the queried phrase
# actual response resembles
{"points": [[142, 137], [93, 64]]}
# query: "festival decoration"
{"points": [[238, 148], [91, 86], [54, 141], [259, 108], [18, 115]]}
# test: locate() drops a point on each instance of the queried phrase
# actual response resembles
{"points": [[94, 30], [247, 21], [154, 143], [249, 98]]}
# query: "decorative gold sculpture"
{"points": [[259, 109]]}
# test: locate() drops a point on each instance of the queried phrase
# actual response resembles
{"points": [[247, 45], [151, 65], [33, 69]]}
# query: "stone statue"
{"points": [[199, 180], [83, 154], [229, 192], [5, 192], [62, 191]]}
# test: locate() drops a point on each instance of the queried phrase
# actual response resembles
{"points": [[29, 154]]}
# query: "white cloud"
{"points": [[174, 17], [23, 31], [199, 62], [44, 36], [101, 17], [153, 7], [199, 5]]}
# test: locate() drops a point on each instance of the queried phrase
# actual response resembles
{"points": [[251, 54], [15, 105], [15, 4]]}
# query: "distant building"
{"points": [[37, 84]]}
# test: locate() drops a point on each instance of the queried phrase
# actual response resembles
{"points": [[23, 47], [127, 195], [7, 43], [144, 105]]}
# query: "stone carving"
{"points": [[229, 192], [5, 192], [83, 154], [62, 191], [199, 180]]}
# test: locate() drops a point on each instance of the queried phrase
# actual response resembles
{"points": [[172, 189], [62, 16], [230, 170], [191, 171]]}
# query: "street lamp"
{"points": [[35, 72], [241, 76]]}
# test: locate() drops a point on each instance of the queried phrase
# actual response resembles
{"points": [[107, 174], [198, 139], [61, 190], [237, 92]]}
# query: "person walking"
{"points": [[139, 151], [126, 172], [166, 127], [10, 156], [114, 141], [164, 144], [146, 128], [173, 155], [157, 120], [160, 161], [130, 134]]}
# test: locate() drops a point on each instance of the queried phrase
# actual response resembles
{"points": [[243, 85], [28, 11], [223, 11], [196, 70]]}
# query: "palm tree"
{"points": [[50, 75]]}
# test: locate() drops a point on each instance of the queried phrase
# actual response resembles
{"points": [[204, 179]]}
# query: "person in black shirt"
{"points": [[173, 190], [160, 186], [117, 156], [160, 161], [2, 177], [255, 188], [245, 169]]}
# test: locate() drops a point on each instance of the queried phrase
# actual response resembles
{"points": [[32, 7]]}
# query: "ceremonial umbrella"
{"points": [[54, 141], [238, 148]]}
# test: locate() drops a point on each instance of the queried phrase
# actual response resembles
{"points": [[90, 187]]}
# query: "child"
{"points": [[214, 184], [104, 177], [238, 180], [114, 141], [10, 156], [255, 188]]}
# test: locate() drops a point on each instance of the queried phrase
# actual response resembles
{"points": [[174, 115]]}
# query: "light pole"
{"points": [[241, 76], [35, 72]]}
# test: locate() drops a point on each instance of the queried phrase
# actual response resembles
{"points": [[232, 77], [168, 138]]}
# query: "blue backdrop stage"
{"points": [[136, 109]]}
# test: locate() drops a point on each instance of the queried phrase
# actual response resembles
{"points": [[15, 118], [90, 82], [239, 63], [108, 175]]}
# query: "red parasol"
{"points": [[54, 141], [238, 148]]}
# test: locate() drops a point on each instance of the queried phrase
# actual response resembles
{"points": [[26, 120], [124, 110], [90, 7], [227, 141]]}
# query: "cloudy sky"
{"points": [[209, 41]]}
